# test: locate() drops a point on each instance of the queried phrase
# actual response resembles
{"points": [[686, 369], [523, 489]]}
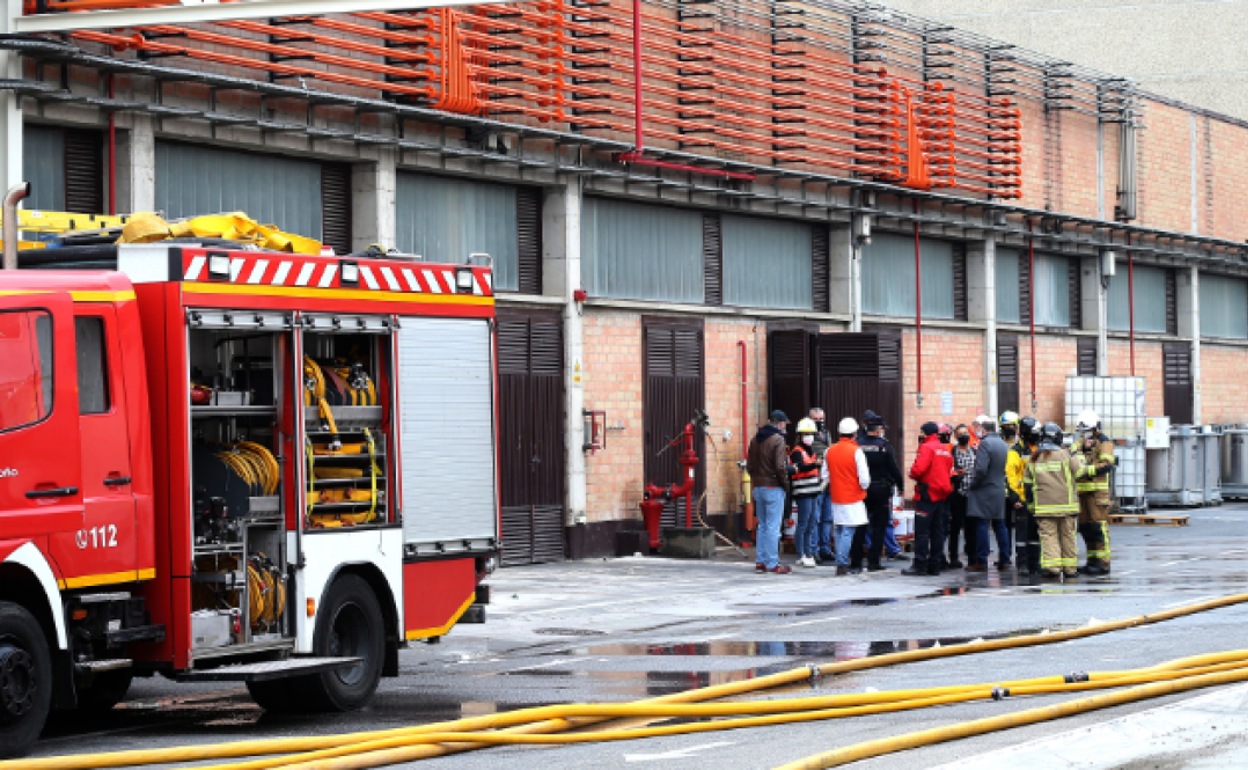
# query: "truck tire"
{"points": [[350, 624], [106, 691], [25, 680]]}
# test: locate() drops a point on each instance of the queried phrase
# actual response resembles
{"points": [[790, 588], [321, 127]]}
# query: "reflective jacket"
{"points": [[1098, 462], [808, 481], [1050, 481], [1014, 465]]}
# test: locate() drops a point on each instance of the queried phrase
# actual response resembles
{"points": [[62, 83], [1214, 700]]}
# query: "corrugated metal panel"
{"points": [[767, 263], [84, 171], [888, 276], [273, 189], [444, 219], [713, 259], [1151, 300], [43, 165], [820, 281], [1007, 374], [445, 388], [1223, 306], [1052, 290], [1008, 288], [1025, 266], [336, 206], [529, 240], [1172, 302], [857, 372], [640, 251]]}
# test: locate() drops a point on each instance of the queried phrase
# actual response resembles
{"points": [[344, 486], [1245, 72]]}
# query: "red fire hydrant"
{"points": [[656, 496]]}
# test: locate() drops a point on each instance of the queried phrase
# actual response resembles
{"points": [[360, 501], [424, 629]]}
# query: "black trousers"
{"points": [[959, 524], [931, 520], [879, 514], [1026, 540]]}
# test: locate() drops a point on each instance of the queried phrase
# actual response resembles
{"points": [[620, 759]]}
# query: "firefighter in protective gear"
{"points": [[1050, 481], [1026, 536], [1097, 452]]}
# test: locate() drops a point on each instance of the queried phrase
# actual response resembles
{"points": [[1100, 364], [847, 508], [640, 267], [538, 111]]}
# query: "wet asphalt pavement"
{"points": [[626, 629]]}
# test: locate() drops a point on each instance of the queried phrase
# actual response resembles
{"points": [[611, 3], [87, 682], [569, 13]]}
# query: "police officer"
{"points": [[885, 476], [1097, 452], [1050, 477], [1026, 536]]}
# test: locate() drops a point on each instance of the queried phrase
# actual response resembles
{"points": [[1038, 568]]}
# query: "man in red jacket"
{"points": [[931, 471]]}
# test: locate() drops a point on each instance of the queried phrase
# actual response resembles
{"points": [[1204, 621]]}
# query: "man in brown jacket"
{"points": [[768, 466]]}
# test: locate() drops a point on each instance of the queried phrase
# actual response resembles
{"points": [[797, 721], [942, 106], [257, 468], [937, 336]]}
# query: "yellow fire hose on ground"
{"points": [[535, 725]]}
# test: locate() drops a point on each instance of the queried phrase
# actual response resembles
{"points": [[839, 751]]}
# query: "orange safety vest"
{"points": [[807, 483], [843, 486]]}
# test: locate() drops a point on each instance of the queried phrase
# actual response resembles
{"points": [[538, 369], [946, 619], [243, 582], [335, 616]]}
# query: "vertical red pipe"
{"points": [[637, 137], [112, 153], [1031, 309], [1131, 299], [745, 418], [918, 307]]}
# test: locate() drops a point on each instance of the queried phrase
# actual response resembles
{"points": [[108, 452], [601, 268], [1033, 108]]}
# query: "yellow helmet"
{"points": [[1009, 418], [807, 425]]}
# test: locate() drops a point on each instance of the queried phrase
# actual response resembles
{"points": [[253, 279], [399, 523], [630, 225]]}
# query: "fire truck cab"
{"points": [[231, 464]]}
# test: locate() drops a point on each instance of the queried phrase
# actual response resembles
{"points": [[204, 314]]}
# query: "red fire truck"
{"points": [[229, 464]]}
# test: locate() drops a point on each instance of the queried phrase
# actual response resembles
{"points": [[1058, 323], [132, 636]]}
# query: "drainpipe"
{"points": [[112, 153], [9, 214], [1131, 299], [918, 307], [745, 417], [1031, 312]]}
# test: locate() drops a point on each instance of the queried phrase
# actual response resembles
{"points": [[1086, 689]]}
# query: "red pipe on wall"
{"points": [[1031, 309], [112, 153], [918, 307], [638, 139], [1131, 299], [745, 416]]}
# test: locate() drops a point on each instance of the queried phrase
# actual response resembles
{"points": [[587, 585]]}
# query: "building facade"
{"points": [[633, 294]]}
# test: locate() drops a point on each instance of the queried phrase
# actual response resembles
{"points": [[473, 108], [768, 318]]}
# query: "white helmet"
{"points": [[1088, 420], [847, 427]]}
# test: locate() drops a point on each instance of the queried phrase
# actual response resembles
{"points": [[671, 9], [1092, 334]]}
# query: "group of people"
{"points": [[1006, 478]]}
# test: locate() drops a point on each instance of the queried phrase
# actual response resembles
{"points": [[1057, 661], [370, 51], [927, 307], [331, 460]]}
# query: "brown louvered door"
{"points": [[1172, 302], [673, 390], [529, 240], [84, 172], [857, 372], [336, 206], [530, 432], [1074, 285], [713, 259], [1178, 392], [789, 375], [1087, 357], [1007, 374]]}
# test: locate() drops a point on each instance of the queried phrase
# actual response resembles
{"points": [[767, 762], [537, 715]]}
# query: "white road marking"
{"points": [[686, 753], [812, 622]]}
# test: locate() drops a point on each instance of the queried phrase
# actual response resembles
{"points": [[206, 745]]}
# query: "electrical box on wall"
{"points": [[595, 431]]}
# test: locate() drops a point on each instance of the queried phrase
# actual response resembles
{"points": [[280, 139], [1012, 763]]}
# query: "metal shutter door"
{"points": [[446, 375]]}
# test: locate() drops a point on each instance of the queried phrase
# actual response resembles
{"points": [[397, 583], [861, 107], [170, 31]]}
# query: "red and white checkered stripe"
{"points": [[375, 275]]}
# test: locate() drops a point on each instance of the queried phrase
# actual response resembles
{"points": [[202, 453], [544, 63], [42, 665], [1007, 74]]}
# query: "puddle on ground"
{"points": [[800, 610]]}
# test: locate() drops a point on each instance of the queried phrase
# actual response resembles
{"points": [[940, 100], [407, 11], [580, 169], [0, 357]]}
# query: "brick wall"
{"points": [[1222, 384], [613, 382], [1056, 359], [1165, 165], [1148, 364]]}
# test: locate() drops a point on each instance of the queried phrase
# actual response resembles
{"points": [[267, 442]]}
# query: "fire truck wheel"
{"points": [[349, 625], [25, 680], [106, 690]]}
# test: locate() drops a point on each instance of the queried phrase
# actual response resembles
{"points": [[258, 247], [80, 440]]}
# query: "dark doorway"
{"points": [[530, 432], [857, 372], [674, 389], [1007, 374], [789, 374], [1178, 383]]}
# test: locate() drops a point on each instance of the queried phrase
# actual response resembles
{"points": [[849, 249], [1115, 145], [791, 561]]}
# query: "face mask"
{"points": [[808, 440], [964, 440], [819, 424], [1090, 433]]}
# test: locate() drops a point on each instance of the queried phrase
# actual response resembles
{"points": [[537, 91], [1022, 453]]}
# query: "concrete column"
{"points": [[561, 276], [1188, 285], [845, 276], [10, 105], [981, 300], [1095, 309], [374, 190], [136, 164]]}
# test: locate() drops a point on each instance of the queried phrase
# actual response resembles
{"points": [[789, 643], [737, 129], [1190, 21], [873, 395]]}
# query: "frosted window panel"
{"points": [[767, 263], [444, 219], [1009, 307], [1150, 299], [271, 189], [1052, 290], [640, 251], [1223, 306], [888, 276]]}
